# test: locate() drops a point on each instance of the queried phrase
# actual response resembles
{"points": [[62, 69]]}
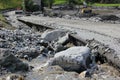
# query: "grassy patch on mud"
{"points": [[4, 23]]}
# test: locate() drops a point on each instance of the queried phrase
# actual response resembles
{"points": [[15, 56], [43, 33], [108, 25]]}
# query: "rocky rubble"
{"points": [[50, 56], [27, 44], [38, 48], [17, 40]]}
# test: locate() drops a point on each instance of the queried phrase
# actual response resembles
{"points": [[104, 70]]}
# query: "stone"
{"points": [[58, 47], [67, 17], [63, 76], [73, 59], [32, 52], [10, 62], [68, 76], [15, 77], [53, 35], [63, 40], [56, 73], [84, 74], [52, 70], [44, 43]]}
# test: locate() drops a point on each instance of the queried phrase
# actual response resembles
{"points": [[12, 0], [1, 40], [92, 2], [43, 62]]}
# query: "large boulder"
{"points": [[73, 59], [10, 62], [53, 35]]}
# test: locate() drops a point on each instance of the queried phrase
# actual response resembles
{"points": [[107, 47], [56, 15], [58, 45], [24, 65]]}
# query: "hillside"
{"points": [[10, 3]]}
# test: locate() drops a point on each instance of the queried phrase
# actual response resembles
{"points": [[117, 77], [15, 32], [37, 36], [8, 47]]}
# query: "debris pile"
{"points": [[109, 18], [50, 55], [79, 16]]}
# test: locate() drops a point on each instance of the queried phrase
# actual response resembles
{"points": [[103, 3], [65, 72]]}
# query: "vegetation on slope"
{"points": [[5, 4], [4, 23]]}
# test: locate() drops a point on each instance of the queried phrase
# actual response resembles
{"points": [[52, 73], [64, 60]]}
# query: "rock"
{"points": [[52, 70], [4, 44], [73, 59], [58, 47], [44, 43], [84, 74], [56, 73], [10, 62], [2, 79], [53, 35], [32, 52], [63, 40], [95, 19], [67, 17], [15, 77], [68, 76], [63, 76]]}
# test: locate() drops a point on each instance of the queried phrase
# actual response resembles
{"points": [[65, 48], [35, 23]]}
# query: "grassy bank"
{"points": [[106, 5], [5, 4], [2, 17], [59, 2], [4, 23]]}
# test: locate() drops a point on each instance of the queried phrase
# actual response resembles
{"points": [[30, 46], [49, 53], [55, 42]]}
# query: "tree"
{"points": [[49, 3], [42, 5], [28, 5]]}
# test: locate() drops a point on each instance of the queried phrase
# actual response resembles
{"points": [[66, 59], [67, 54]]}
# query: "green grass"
{"points": [[4, 23], [5, 4], [59, 2], [1, 17], [106, 5]]}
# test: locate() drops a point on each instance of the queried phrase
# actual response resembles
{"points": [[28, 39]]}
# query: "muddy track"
{"points": [[106, 35]]}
